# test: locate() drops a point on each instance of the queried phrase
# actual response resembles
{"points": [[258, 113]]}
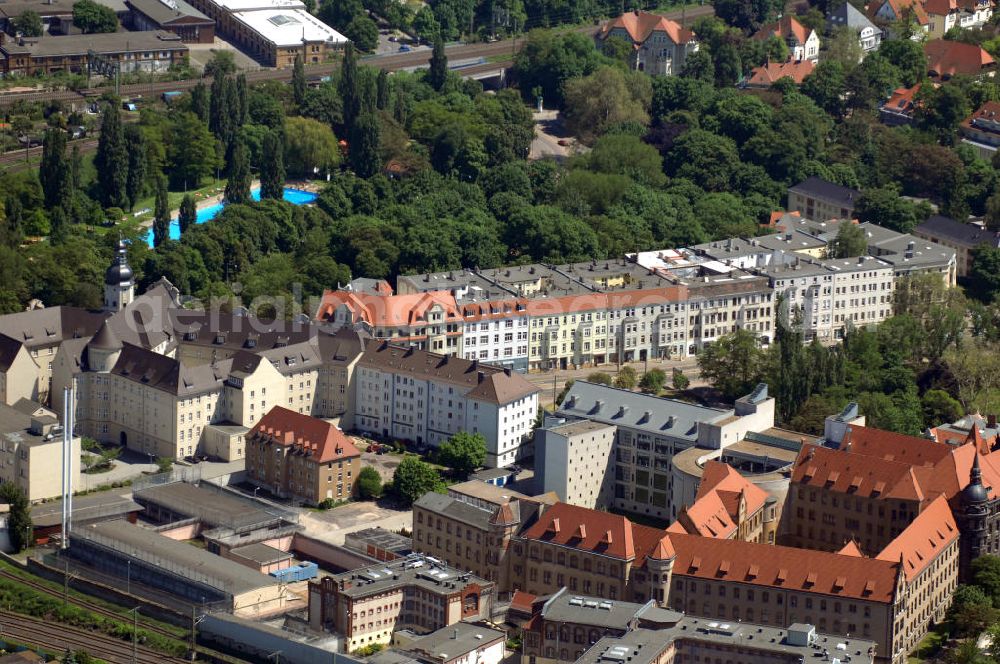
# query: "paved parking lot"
{"points": [[332, 525]]}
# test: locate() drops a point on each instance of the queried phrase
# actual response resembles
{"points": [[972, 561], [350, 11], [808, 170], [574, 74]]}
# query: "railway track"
{"points": [[58, 637], [89, 606]]}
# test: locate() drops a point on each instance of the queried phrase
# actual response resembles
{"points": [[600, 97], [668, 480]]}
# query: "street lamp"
{"points": [[255, 490], [128, 576], [276, 655]]}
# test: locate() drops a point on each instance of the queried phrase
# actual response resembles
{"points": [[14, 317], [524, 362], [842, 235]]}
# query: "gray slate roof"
{"points": [[827, 191], [663, 417], [848, 15], [968, 235], [455, 509], [165, 14]]}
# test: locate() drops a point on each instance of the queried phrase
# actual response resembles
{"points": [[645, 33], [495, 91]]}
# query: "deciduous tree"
{"points": [[272, 167], [238, 185], [413, 478], [464, 452], [111, 160]]}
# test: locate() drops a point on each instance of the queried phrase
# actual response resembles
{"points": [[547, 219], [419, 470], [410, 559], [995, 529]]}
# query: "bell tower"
{"points": [[119, 285]]}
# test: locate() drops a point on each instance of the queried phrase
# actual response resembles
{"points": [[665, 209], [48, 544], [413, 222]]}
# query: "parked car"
{"points": [[403, 48]]}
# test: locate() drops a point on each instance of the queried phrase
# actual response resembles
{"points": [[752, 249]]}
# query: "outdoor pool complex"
{"points": [[293, 196]]}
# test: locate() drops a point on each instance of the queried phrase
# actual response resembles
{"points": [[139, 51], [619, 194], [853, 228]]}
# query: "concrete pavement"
{"points": [[552, 381]]}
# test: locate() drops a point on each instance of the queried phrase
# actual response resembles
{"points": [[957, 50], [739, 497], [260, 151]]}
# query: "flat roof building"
{"points": [[418, 593], [176, 567], [273, 31]]}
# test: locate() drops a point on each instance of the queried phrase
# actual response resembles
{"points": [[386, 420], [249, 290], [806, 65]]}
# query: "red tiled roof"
{"points": [[770, 73], [787, 27], [947, 58], [902, 100], [322, 440], [388, 310], [640, 25], [522, 601], [603, 532], [899, 8], [784, 567], [843, 472], [892, 446], [851, 549], [715, 511], [551, 306], [923, 540]]}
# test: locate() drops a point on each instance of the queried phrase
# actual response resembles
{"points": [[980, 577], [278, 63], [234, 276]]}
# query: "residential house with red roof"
{"points": [[894, 11], [943, 15], [304, 458], [803, 42], [901, 106], [946, 58], [876, 483], [661, 45], [981, 130], [769, 73]]}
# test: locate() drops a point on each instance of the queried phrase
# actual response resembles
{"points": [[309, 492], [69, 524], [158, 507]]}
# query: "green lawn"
{"points": [[931, 644]]}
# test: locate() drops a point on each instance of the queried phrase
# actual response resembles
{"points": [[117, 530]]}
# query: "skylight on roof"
{"points": [[281, 20]]}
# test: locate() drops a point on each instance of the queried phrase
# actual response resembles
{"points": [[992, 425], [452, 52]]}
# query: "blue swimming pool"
{"points": [[293, 196]]}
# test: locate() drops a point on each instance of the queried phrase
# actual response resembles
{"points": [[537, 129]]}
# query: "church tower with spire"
{"points": [[972, 517], [119, 285]]}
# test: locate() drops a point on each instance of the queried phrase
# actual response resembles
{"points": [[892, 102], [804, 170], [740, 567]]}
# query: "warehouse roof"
{"points": [[214, 507], [103, 505], [167, 11], [114, 42]]}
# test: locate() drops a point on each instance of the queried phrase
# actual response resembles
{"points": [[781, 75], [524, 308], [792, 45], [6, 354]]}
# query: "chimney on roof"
{"points": [[506, 371], [636, 12], [991, 421], [480, 376]]}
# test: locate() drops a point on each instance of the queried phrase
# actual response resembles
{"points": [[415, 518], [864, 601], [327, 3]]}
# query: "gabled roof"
{"points": [[715, 511], [892, 446], [320, 441], [598, 532], [389, 310], [784, 567], [640, 25], [788, 28], [167, 374], [771, 72], [923, 540], [851, 549], [850, 16], [899, 8], [902, 101], [957, 232], [487, 382], [947, 58]]}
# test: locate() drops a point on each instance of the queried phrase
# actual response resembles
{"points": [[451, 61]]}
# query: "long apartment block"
{"points": [[649, 305]]}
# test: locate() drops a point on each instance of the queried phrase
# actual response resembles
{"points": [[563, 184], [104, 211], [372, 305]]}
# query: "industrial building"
{"points": [[223, 518], [147, 557], [273, 31]]}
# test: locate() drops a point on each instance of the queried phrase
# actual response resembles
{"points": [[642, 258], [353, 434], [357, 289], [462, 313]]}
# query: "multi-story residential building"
{"points": [[816, 198], [426, 397], [873, 484], [850, 17], [304, 458], [832, 296], [943, 15], [273, 31], [909, 255], [963, 238], [803, 43], [571, 460], [150, 52], [728, 506], [650, 431], [661, 46], [592, 630], [367, 605], [981, 130], [31, 451]]}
